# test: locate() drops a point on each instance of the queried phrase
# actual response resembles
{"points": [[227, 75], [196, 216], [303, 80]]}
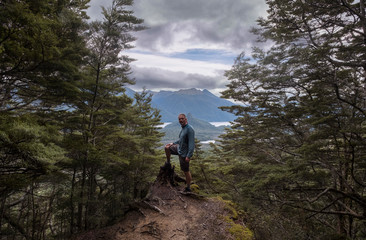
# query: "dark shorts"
{"points": [[184, 165]]}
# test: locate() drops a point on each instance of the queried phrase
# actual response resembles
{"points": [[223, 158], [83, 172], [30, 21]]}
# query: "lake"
{"points": [[208, 142], [216, 124]]}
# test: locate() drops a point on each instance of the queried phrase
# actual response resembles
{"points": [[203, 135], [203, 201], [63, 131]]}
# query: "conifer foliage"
{"points": [[300, 133], [74, 149]]}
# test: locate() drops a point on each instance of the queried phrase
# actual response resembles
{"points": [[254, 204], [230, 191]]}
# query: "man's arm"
{"points": [[190, 143]]}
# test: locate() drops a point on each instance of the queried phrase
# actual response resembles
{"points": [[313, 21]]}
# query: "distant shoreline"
{"points": [[216, 124], [208, 141]]}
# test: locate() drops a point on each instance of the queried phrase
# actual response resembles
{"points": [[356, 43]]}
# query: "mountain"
{"points": [[203, 130], [200, 103], [129, 92]]}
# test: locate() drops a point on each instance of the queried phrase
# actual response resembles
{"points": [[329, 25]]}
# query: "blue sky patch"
{"points": [[207, 55]]}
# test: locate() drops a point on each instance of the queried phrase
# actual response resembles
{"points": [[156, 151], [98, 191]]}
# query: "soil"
{"points": [[169, 213]]}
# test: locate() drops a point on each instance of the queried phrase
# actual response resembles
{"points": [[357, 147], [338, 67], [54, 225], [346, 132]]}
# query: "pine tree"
{"points": [[301, 125], [41, 51], [143, 128], [101, 143]]}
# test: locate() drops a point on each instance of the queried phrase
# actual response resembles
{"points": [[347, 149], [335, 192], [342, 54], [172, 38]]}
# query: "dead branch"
{"points": [[155, 208]]}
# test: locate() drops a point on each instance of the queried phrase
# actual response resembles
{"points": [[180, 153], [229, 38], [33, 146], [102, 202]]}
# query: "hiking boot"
{"points": [[187, 189]]}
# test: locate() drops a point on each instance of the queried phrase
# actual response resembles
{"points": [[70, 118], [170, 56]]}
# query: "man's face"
{"points": [[182, 120]]}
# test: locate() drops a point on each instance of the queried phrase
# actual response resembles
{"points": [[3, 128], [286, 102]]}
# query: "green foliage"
{"points": [[111, 140], [238, 231], [298, 141], [28, 149], [41, 50], [75, 150]]}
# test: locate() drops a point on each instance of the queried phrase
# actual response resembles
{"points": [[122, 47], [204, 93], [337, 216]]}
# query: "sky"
{"points": [[189, 43]]}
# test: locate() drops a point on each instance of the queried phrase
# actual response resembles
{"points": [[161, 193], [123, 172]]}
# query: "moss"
{"points": [[195, 188], [231, 207], [240, 232]]}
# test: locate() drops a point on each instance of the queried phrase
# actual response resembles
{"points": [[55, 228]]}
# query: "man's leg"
{"points": [[184, 166], [188, 179], [170, 149], [167, 152]]}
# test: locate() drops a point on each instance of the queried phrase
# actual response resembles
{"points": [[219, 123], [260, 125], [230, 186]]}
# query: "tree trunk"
{"points": [[167, 175], [81, 197], [72, 210]]}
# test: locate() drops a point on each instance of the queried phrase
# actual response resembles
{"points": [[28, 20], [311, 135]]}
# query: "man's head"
{"points": [[182, 119]]}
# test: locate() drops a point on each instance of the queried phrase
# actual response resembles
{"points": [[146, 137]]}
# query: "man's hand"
{"points": [[187, 159]]}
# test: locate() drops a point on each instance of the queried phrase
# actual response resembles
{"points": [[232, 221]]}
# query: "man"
{"points": [[184, 148]]}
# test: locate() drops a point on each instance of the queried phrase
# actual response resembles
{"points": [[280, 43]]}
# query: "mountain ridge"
{"points": [[202, 104], [203, 130]]}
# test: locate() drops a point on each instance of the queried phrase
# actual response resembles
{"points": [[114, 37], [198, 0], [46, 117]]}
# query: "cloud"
{"points": [[95, 8], [177, 64], [176, 25], [189, 43], [156, 78], [159, 72]]}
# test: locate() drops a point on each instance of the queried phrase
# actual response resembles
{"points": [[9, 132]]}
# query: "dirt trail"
{"points": [[167, 213]]}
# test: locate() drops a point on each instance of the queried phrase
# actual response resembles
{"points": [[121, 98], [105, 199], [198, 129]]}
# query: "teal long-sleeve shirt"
{"points": [[186, 141]]}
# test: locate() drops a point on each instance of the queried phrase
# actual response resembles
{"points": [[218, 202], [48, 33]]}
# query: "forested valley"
{"points": [[75, 151]]}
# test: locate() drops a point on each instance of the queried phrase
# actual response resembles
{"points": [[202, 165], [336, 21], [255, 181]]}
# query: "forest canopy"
{"points": [[72, 144], [76, 151], [298, 144]]}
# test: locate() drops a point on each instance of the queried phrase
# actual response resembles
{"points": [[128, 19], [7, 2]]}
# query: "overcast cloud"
{"points": [[189, 43]]}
